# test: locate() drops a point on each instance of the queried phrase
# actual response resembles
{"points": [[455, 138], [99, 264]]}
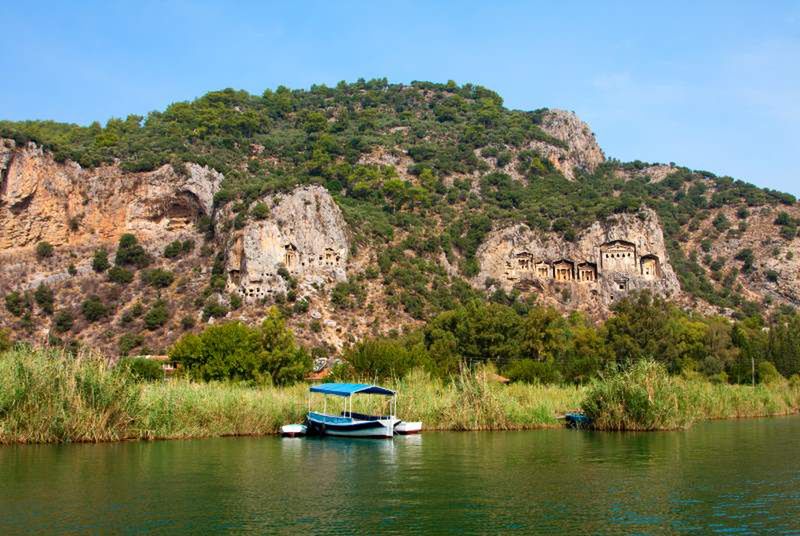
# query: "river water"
{"points": [[740, 477]]}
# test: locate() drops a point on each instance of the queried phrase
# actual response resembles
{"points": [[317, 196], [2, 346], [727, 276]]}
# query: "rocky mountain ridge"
{"points": [[381, 239]]}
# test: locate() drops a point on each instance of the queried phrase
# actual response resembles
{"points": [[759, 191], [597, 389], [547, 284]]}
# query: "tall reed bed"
{"points": [[183, 409], [646, 397], [477, 401], [46, 396]]}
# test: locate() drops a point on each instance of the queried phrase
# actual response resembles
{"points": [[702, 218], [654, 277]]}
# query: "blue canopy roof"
{"points": [[347, 389]]}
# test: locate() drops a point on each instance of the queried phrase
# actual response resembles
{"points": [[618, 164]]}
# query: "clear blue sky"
{"points": [[710, 85]]}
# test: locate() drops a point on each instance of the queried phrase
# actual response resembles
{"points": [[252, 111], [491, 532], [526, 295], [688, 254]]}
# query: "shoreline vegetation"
{"points": [[48, 396]]}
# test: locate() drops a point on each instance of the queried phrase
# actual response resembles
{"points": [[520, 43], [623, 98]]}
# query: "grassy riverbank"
{"points": [[645, 397], [46, 397]]}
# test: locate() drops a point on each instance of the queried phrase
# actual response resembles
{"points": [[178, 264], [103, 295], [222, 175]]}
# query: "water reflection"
{"points": [[718, 477]]}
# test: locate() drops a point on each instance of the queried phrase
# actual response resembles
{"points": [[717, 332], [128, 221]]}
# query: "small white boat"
{"points": [[406, 428], [293, 430], [348, 423]]}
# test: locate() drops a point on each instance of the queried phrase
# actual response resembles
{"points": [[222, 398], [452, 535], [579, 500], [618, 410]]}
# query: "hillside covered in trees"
{"points": [[422, 174]]}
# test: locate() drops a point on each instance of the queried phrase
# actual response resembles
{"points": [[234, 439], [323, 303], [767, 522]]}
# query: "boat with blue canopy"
{"points": [[347, 422]]}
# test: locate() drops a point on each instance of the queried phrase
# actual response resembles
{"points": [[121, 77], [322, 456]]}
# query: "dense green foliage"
{"points": [[538, 344], [45, 298], [158, 277], [44, 250], [63, 321], [17, 303], [157, 316], [142, 369], [130, 252], [233, 350], [177, 248], [93, 308], [100, 260]]}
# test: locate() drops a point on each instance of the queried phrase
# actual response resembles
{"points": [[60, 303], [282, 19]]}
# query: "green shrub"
{"points": [[177, 248], [158, 278], [44, 298], [44, 250], [17, 303], [783, 218], [218, 282], [260, 211], [187, 322], [747, 258], [120, 275], [63, 321], [643, 397], [300, 307], [721, 223], [768, 374], [128, 342], [215, 309], [141, 369], [531, 371], [130, 252], [100, 260], [173, 249], [157, 316], [93, 308], [788, 232], [348, 295]]}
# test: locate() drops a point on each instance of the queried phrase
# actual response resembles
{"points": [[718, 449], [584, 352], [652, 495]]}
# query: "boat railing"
{"points": [[365, 417], [322, 417]]}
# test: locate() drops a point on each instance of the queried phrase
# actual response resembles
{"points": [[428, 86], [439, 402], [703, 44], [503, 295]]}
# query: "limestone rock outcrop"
{"points": [[605, 262], [305, 234], [582, 150], [64, 204], [654, 173]]}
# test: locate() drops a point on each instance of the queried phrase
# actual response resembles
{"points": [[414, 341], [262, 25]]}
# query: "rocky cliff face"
{"points": [[43, 200], [304, 237], [605, 262], [774, 271], [582, 150], [294, 252]]}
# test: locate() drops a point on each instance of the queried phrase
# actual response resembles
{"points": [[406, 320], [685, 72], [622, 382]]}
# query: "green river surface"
{"points": [[728, 477]]}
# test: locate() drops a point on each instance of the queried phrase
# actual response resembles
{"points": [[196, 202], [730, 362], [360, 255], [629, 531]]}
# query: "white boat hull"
{"points": [[320, 424], [406, 428], [386, 430], [293, 430]]}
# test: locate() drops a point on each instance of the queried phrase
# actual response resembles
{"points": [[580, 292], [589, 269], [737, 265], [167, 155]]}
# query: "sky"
{"points": [[709, 85]]}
